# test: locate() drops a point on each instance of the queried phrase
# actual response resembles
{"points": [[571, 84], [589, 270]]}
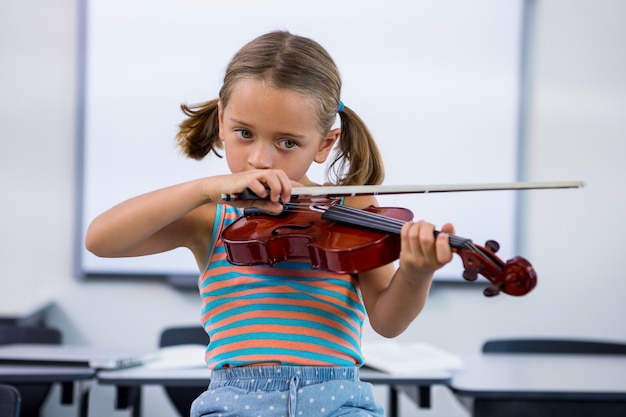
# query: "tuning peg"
{"points": [[492, 245], [491, 291], [470, 274]]}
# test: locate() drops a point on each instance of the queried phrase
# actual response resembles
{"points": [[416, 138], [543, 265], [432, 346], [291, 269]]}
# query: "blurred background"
{"points": [[574, 127]]}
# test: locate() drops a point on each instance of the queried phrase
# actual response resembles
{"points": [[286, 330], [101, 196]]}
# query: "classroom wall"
{"points": [[575, 128]]}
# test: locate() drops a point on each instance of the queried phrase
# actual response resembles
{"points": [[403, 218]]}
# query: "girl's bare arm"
{"points": [[178, 216], [150, 223], [394, 298]]}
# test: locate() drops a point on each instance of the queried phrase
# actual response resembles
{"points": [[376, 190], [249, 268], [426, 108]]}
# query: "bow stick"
{"points": [[356, 190]]}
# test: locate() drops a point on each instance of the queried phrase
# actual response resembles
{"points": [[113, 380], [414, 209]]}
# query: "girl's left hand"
{"points": [[421, 251]]}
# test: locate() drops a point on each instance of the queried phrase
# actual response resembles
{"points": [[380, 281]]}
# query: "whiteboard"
{"points": [[437, 81]]}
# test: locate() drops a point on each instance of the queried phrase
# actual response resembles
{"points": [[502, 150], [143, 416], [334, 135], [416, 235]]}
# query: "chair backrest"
{"points": [[10, 401], [193, 335], [32, 395], [26, 334], [182, 397], [562, 346]]}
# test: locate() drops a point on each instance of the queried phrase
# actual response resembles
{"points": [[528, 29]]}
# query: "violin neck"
{"points": [[368, 220]]}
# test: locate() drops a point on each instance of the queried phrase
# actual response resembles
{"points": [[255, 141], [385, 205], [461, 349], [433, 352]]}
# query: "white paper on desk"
{"points": [[180, 357], [406, 358]]}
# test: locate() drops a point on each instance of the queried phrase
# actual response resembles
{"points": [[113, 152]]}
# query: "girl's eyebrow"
{"points": [[239, 122]]}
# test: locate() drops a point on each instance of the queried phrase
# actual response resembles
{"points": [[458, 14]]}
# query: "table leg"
{"points": [[83, 403], [67, 393], [76, 392], [128, 397], [421, 394]]}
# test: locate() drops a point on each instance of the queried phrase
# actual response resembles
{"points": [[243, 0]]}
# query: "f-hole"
{"points": [[277, 230]]}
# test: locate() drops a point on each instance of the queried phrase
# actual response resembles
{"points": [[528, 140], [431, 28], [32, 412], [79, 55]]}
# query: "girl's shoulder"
{"points": [[360, 202]]}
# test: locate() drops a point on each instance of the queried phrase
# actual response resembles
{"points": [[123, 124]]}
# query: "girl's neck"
{"points": [[307, 182]]}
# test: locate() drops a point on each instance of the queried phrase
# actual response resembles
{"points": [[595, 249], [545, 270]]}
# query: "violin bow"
{"points": [[359, 190]]}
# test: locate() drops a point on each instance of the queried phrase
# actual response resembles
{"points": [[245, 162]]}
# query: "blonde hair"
{"points": [[299, 64]]}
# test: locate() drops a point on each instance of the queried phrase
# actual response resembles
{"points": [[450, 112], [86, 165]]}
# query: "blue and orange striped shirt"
{"points": [[288, 313]]}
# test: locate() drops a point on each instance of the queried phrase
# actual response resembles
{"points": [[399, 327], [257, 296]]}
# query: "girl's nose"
{"points": [[261, 156]]}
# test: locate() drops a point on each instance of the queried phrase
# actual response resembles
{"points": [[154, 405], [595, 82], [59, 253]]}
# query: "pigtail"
{"points": [[357, 153], [199, 133]]}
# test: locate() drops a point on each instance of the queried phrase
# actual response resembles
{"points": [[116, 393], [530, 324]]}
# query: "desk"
{"points": [[71, 366], [128, 383], [73, 380], [543, 384]]}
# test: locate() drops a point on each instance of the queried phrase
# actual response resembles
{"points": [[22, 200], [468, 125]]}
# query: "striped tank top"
{"points": [[288, 313]]}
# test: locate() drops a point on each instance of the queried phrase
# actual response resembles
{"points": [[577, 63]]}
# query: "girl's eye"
{"points": [[244, 134], [288, 144]]}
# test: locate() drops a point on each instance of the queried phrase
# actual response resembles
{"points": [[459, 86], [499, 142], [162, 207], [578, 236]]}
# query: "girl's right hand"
{"points": [[273, 187]]}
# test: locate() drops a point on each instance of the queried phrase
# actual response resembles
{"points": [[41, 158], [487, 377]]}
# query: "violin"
{"points": [[348, 240]]}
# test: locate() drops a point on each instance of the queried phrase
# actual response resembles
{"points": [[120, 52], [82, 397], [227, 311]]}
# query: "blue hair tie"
{"points": [[341, 106]]}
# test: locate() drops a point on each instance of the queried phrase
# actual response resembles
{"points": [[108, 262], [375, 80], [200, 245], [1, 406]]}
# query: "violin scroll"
{"points": [[515, 277]]}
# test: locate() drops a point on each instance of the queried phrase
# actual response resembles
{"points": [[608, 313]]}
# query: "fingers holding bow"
{"points": [[271, 188]]}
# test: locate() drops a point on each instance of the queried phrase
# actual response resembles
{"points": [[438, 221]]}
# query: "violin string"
{"points": [[363, 218], [366, 219], [389, 224]]}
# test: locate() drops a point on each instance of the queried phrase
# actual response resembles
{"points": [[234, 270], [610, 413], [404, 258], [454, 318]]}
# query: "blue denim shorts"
{"points": [[286, 391]]}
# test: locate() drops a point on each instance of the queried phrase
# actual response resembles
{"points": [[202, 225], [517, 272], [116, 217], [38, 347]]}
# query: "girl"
{"points": [[284, 340]]}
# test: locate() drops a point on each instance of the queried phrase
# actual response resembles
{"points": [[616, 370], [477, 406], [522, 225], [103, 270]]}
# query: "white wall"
{"points": [[576, 127]]}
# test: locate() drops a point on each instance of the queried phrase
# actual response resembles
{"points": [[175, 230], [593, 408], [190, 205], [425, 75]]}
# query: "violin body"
{"points": [[266, 239]]}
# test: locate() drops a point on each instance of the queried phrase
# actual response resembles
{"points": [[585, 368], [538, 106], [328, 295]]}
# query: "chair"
{"points": [[182, 397], [32, 395], [27, 334], [562, 346], [9, 401]]}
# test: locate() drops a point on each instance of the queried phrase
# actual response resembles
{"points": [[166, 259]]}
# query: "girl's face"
{"points": [[264, 127]]}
